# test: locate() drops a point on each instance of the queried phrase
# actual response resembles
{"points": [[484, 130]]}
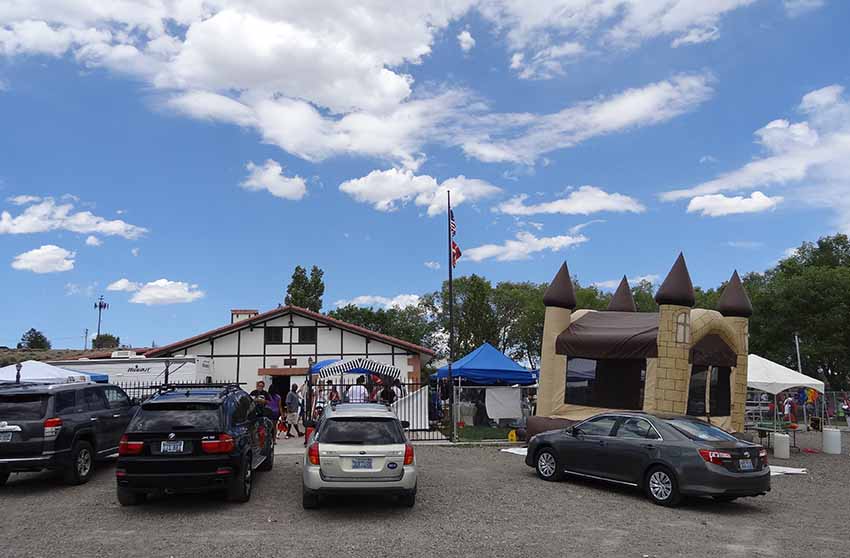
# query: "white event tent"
{"points": [[41, 372], [774, 378]]}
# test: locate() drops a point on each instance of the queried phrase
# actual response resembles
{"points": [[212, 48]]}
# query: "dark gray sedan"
{"points": [[668, 456]]}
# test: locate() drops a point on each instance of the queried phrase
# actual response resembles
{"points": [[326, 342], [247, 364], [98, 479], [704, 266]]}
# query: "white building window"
{"points": [[683, 328]]}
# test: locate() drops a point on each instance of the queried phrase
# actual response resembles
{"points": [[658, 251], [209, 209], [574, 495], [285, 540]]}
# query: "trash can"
{"points": [[781, 446], [832, 441]]}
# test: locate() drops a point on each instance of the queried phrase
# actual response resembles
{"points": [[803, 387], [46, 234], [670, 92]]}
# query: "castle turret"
{"points": [[667, 379], [623, 301], [736, 308], [560, 301]]}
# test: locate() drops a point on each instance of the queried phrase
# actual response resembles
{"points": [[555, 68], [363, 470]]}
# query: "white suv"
{"points": [[359, 448]]}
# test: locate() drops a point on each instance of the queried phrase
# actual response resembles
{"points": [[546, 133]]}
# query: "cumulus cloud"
{"points": [[161, 291], [582, 201], [611, 284], [398, 301], [23, 199], [46, 215], [718, 205], [386, 190], [432, 265], [46, 259], [92, 240], [465, 40], [269, 176], [806, 159], [124, 285], [522, 247]]}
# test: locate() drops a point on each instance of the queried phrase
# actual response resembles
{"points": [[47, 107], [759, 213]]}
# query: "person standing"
{"points": [[261, 390], [398, 390], [788, 405], [358, 392], [293, 402]]}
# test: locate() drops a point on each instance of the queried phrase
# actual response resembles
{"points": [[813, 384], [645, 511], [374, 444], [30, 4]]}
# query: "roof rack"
{"points": [[225, 386]]}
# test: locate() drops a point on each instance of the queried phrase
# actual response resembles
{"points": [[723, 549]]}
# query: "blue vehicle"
{"points": [[191, 438]]}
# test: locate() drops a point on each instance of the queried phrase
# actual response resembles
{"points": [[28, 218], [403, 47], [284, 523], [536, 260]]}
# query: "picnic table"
{"points": [[765, 429]]}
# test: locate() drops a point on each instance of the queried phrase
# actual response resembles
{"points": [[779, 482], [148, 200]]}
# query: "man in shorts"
{"points": [[292, 404]]}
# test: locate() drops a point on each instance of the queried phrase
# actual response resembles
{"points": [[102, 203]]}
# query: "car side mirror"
{"points": [[575, 432], [405, 424]]}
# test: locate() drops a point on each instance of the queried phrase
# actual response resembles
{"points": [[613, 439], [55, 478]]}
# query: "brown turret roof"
{"points": [[623, 301], [734, 300], [560, 292], [677, 287]]}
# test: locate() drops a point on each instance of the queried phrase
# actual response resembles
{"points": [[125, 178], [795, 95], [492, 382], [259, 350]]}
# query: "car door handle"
{"points": [[116, 416], [649, 446], [93, 419]]}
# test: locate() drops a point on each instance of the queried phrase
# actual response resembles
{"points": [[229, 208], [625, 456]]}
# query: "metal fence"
{"points": [[492, 412], [415, 403]]}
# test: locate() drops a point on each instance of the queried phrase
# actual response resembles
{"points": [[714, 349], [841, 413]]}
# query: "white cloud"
{"points": [[73, 289], [806, 159], [547, 62], [46, 259], [387, 189], [465, 40], [795, 8], [696, 36], [135, 252], [522, 247], [23, 199], [124, 285], [270, 177], [718, 205], [581, 226], [163, 291], [583, 201], [745, 244], [47, 215], [92, 240], [707, 159], [612, 284], [399, 301], [432, 265]]}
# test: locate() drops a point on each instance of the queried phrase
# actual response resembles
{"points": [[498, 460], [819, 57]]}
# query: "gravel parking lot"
{"points": [[472, 502]]}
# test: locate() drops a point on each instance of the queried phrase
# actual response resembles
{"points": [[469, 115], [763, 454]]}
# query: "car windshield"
{"points": [[22, 407], [159, 417], [696, 430], [362, 431]]}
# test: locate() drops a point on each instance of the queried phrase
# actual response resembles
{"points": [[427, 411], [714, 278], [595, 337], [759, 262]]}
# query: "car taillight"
{"points": [[223, 444], [408, 454], [52, 426], [126, 447], [763, 455], [714, 456], [313, 453]]}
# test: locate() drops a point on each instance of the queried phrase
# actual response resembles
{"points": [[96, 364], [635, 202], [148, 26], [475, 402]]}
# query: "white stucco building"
{"points": [[279, 345]]}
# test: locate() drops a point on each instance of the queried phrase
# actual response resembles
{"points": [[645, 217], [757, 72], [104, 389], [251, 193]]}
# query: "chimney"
{"points": [[239, 315]]}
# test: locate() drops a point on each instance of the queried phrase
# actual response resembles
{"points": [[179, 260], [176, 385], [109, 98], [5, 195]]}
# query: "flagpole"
{"points": [[451, 318]]}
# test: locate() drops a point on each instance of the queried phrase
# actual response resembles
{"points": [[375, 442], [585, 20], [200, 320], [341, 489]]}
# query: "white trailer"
{"points": [[122, 369]]}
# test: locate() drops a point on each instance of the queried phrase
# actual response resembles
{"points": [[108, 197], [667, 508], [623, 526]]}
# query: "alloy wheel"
{"points": [[660, 485], [546, 464], [83, 462]]}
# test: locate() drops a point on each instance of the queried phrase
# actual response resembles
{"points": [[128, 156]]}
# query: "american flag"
{"points": [[452, 224], [456, 253]]}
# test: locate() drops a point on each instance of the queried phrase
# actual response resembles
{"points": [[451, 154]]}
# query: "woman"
{"points": [[274, 406], [333, 394]]}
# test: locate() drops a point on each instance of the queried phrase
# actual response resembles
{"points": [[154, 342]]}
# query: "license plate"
{"points": [[361, 463], [171, 447], [5, 436], [745, 465]]}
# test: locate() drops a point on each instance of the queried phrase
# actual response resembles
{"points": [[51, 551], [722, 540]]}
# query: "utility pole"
{"points": [[799, 362], [100, 306], [86, 339]]}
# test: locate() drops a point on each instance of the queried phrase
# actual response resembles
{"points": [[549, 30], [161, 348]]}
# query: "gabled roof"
{"points": [[623, 301], [560, 292], [271, 314]]}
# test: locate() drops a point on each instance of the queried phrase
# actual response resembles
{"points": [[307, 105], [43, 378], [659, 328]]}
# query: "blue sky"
{"points": [[181, 159]]}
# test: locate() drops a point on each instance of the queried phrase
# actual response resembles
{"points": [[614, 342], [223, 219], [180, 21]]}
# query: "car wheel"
{"points": [[548, 465], [661, 487], [3, 478], [408, 500], [725, 498], [129, 498], [268, 463], [82, 463], [241, 485], [309, 499]]}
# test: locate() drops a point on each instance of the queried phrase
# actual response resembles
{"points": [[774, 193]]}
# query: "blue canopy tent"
{"points": [[486, 365]]}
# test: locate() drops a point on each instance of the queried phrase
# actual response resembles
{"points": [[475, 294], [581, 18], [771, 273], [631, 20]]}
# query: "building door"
{"points": [[281, 385]]}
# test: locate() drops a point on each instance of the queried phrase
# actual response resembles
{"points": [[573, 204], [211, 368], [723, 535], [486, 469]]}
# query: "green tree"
{"points": [[474, 316], [410, 323], [34, 339], [644, 295], [520, 314], [305, 291], [105, 341]]}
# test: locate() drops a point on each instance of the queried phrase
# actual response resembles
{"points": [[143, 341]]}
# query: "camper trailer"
{"points": [[126, 367]]}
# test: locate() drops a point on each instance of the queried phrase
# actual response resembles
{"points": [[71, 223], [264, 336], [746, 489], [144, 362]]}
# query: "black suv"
{"points": [[62, 426], [191, 438]]}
